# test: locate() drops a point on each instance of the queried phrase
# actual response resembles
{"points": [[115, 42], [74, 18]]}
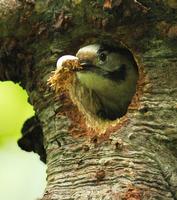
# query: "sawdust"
{"points": [[61, 79]]}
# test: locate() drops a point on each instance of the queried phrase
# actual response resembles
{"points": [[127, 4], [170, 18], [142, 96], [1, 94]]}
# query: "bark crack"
{"points": [[165, 177]]}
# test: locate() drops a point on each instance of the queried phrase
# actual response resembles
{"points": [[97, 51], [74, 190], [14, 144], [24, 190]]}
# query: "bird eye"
{"points": [[102, 57]]}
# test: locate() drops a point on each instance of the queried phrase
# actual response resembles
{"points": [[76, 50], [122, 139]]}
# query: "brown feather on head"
{"points": [[64, 74]]}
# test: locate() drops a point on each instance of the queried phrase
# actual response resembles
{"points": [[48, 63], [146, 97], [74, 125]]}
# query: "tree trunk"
{"points": [[135, 158]]}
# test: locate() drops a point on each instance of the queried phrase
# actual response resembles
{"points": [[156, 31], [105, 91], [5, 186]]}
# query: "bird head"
{"points": [[104, 57]]}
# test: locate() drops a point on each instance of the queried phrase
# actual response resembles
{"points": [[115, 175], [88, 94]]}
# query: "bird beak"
{"points": [[85, 63]]}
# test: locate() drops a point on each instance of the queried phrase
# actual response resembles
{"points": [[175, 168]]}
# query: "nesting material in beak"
{"points": [[63, 76]]}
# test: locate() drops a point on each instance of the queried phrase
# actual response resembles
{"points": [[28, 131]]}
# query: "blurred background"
{"points": [[22, 174]]}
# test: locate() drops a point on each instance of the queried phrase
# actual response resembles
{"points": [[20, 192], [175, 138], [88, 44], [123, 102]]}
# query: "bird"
{"points": [[106, 81]]}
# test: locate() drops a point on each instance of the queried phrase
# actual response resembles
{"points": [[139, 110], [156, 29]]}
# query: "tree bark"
{"points": [[135, 159]]}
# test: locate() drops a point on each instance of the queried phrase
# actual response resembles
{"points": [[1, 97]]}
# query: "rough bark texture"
{"points": [[138, 160]]}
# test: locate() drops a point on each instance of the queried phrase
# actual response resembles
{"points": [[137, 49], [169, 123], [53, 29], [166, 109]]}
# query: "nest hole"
{"points": [[105, 94]]}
